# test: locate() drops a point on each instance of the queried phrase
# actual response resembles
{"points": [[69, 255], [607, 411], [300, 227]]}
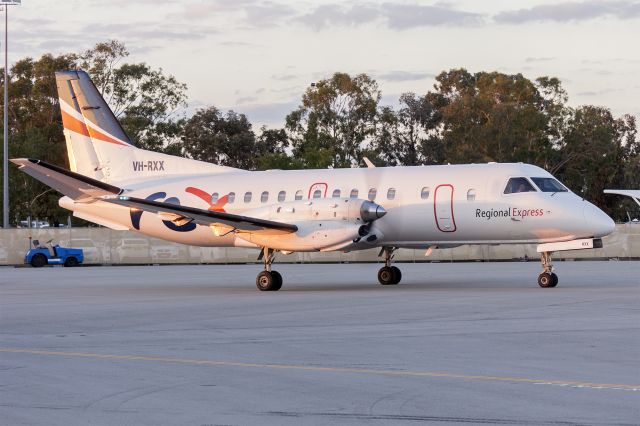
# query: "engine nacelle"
{"points": [[323, 224], [311, 236]]}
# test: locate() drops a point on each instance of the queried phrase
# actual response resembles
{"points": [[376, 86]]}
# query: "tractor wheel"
{"points": [[39, 260], [71, 262]]}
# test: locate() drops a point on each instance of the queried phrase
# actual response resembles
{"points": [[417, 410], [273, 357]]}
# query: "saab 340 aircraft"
{"points": [[114, 184]]}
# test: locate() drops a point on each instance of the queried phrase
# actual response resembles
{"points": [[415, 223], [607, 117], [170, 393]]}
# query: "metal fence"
{"points": [[105, 246]]}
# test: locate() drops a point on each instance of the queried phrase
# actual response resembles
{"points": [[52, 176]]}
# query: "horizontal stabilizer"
{"points": [[184, 214], [74, 185]]}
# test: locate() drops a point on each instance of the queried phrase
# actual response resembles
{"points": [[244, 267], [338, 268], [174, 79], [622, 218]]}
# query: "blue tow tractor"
{"points": [[39, 256]]}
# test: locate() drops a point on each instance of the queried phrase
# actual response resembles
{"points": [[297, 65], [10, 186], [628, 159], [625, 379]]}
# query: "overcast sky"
{"points": [[257, 57]]}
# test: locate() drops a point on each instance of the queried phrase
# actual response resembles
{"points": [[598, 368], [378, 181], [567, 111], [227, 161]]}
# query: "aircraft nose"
{"points": [[597, 221]]}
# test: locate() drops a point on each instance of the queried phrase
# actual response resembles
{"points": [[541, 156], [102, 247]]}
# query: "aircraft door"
{"points": [[443, 208], [318, 186]]}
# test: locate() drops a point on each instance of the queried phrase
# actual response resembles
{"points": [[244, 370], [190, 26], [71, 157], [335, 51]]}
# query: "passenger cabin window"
{"points": [[354, 193], [549, 185], [518, 184], [336, 193], [264, 197], [247, 197], [471, 195], [372, 194], [317, 193], [231, 197], [298, 195], [424, 194], [281, 196], [391, 194], [214, 198]]}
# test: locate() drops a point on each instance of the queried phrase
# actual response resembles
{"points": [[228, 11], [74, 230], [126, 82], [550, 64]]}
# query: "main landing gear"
{"points": [[547, 278], [388, 275], [268, 280]]}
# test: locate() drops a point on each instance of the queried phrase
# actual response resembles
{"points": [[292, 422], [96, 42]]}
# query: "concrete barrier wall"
{"points": [[105, 246]]}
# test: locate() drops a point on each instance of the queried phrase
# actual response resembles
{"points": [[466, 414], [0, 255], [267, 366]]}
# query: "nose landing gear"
{"points": [[268, 280], [547, 278], [389, 275]]}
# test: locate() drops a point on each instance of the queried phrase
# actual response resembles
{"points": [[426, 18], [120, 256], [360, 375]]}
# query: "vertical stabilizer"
{"points": [[97, 145], [89, 125]]}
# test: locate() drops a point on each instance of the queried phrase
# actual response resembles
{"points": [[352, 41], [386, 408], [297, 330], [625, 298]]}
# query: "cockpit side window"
{"points": [[549, 184], [518, 184]]}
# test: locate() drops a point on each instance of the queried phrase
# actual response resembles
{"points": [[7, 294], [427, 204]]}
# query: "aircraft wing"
{"points": [[82, 188], [179, 213], [74, 185], [633, 193]]}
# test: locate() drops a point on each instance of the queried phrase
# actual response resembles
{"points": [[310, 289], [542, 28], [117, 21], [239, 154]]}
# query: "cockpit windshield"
{"points": [[518, 184], [548, 184]]}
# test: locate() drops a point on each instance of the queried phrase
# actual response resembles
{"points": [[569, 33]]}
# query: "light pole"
{"points": [[5, 163]]}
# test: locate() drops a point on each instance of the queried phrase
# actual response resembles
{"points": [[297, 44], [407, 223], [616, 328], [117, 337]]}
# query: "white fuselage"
{"points": [[426, 206]]}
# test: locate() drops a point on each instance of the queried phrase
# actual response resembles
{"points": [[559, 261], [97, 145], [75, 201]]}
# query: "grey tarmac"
{"points": [[454, 343]]}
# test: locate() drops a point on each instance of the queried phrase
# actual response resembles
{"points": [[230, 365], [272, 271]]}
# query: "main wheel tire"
{"points": [[397, 274], [265, 281], [386, 276], [71, 262], [545, 280], [554, 280], [278, 280], [39, 260]]}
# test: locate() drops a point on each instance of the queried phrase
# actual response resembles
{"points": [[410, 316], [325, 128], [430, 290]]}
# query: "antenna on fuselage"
{"points": [[368, 162]]}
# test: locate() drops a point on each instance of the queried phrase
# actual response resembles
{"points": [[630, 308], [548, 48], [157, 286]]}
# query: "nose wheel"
{"points": [[547, 278], [388, 274], [268, 280]]}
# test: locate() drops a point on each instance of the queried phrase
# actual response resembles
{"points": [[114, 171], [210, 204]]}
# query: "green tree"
{"points": [[35, 131], [271, 150], [146, 101], [492, 117], [383, 149], [597, 152], [336, 117], [225, 139], [409, 136]]}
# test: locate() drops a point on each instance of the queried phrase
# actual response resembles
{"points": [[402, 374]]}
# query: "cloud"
{"points": [[394, 16], [267, 14], [238, 44], [284, 77], [600, 92], [404, 16], [246, 99], [147, 31], [253, 13], [572, 12], [540, 59], [394, 76], [328, 15]]}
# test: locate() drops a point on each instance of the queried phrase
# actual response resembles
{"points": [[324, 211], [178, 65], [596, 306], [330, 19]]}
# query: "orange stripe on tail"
{"points": [[97, 135], [71, 123]]}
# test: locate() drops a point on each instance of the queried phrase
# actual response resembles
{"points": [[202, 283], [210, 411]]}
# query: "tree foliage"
{"points": [[225, 139], [336, 117], [465, 117], [597, 152], [145, 100]]}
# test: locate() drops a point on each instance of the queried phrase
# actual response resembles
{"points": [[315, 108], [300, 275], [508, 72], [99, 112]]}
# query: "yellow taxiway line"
{"points": [[370, 371]]}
